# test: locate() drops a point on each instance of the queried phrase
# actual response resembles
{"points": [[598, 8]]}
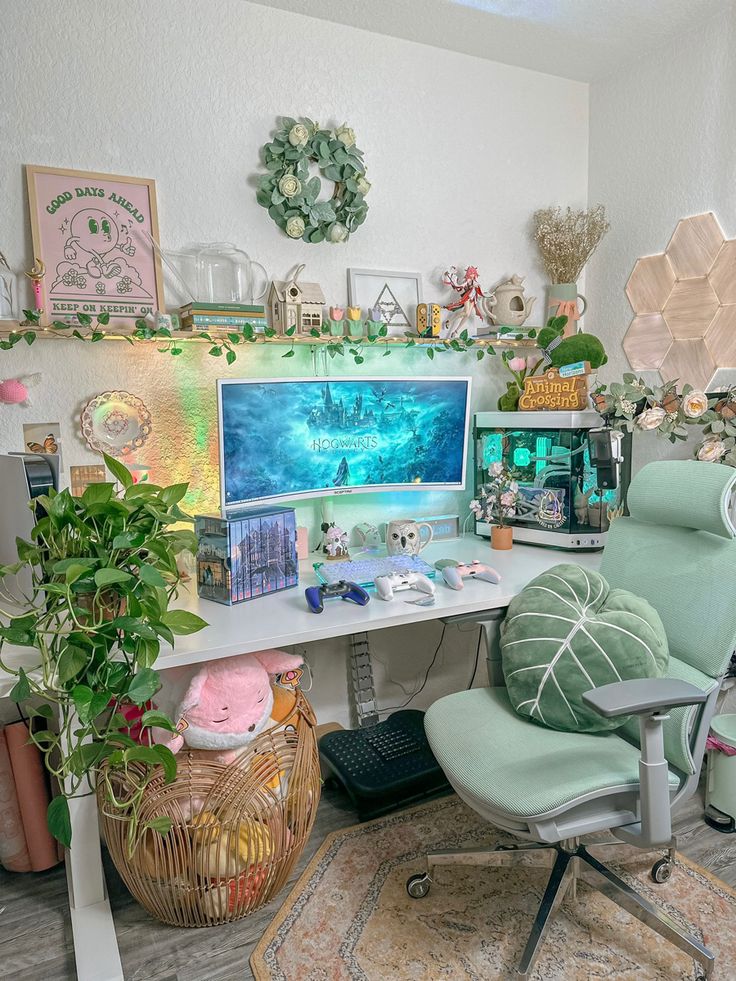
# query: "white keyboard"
{"points": [[364, 571]]}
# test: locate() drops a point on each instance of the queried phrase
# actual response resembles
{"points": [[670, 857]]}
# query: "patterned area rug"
{"points": [[349, 916]]}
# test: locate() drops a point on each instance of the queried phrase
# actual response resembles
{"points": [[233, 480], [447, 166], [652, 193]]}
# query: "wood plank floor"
{"points": [[36, 942]]}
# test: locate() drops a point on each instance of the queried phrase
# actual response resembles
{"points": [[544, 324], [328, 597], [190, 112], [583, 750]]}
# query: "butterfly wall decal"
{"points": [[49, 445]]}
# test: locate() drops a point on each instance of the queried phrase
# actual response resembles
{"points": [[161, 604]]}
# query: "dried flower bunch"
{"points": [[567, 239]]}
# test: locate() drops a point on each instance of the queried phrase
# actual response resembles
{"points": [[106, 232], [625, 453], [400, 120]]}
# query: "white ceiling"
{"points": [[580, 39]]}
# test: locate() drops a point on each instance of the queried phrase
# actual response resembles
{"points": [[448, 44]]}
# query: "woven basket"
{"points": [[237, 829]]}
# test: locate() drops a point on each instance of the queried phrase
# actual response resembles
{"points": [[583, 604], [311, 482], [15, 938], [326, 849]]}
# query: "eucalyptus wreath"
{"points": [[290, 194]]}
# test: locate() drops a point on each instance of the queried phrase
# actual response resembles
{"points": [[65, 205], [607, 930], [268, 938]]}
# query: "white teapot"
{"points": [[507, 306]]}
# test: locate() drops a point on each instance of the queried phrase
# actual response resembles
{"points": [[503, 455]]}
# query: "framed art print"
{"points": [[394, 294], [92, 233]]}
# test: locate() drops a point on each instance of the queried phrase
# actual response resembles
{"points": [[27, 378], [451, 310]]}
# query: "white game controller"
{"points": [[454, 574], [386, 586]]}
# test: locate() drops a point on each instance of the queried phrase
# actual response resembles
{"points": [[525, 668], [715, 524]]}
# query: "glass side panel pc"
{"points": [[567, 501]]}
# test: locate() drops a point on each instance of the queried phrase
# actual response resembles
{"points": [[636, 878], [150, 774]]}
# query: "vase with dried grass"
{"points": [[566, 240]]}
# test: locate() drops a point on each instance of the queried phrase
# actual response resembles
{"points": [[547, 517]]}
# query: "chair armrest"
{"points": [[650, 699], [642, 696]]}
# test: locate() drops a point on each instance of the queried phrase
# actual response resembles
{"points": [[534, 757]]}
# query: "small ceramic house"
{"points": [[295, 304]]}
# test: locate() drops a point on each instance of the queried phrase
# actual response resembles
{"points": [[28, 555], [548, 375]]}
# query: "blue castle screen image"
{"points": [[284, 439]]}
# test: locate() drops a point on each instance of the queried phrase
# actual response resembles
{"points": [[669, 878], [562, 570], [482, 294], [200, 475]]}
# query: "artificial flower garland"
{"points": [[290, 194], [668, 412]]}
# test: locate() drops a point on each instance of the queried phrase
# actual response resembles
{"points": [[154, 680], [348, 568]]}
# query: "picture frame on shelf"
{"points": [[93, 234], [395, 294]]}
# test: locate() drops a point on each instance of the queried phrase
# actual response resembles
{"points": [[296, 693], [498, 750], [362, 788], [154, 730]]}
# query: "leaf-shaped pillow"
{"points": [[568, 632]]}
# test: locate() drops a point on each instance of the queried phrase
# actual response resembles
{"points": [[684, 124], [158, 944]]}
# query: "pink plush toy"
{"points": [[227, 703]]}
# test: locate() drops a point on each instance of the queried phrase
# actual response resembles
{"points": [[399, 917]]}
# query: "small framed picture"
{"points": [[81, 477], [94, 234], [42, 437], [395, 294]]}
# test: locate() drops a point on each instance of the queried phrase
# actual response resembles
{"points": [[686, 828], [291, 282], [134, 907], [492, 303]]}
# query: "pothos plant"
{"points": [[91, 595]]}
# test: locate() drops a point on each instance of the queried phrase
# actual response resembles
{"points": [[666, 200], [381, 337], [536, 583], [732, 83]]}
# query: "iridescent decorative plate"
{"points": [[116, 423]]}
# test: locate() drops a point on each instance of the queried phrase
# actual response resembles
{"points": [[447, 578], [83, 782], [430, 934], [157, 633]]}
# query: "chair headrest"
{"points": [[686, 494]]}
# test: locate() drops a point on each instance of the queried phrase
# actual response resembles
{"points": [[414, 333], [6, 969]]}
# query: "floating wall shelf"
{"points": [[8, 327]]}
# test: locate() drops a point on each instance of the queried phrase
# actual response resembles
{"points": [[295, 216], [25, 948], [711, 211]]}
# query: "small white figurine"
{"points": [[336, 543]]}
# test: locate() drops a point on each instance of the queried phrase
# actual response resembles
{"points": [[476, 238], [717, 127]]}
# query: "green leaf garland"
{"points": [[290, 194]]}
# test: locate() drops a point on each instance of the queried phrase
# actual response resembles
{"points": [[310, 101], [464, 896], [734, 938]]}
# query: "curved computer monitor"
{"points": [[288, 439]]}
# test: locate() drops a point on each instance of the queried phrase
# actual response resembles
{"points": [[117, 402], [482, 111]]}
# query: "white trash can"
{"points": [[720, 789]]}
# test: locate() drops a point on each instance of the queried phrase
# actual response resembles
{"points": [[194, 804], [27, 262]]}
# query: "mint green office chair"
{"points": [[677, 550]]}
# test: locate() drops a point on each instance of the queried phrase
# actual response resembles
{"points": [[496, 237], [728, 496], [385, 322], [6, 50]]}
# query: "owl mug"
{"points": [[404, 537]]}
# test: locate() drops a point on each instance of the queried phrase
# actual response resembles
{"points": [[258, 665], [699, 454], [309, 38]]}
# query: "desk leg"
{"points": [[95, 943]]}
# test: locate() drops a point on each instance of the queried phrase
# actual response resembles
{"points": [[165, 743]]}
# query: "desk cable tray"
{"points": [[364, 571]]}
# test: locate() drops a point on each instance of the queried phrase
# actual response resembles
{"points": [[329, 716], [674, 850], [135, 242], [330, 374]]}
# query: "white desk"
{"points": [[279, 620]]}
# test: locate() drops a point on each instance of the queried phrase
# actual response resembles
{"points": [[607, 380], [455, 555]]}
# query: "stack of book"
{"points": [[228, 316]]}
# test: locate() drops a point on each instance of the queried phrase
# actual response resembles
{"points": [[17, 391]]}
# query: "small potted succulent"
{"points": [[497, 501]]}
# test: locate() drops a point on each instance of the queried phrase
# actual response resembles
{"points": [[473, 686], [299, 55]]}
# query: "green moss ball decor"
{"points": [[290, 194], [579, 347]]}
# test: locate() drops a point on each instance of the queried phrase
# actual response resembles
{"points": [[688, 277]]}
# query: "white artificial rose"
{"points": [[289, 185], [651, 418], [695, 404], [338, 232], [345, 134], [712, 450], [298, 135], [363, 185], [295, 227]]}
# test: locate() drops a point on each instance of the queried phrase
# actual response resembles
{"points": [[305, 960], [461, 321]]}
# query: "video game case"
{"points": [[245, 553], [280, 556], [234, 562]]}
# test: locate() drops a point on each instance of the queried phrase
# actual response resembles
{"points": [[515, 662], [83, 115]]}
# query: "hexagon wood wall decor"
{"points": [[684, 301]]}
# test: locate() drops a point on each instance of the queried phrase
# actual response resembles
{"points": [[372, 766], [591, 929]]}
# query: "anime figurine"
{"points": [[461, 320], [469, 289]]}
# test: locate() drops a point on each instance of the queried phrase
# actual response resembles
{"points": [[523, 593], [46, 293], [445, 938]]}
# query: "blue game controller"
{"points": [[316, 595]]}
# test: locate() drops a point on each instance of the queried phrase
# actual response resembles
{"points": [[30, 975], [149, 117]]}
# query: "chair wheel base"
{"points": [[418, 885], [661, 870]]}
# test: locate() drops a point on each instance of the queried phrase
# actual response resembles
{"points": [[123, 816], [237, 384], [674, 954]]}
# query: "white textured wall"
{"points": [[459, 150], [662, 138]]}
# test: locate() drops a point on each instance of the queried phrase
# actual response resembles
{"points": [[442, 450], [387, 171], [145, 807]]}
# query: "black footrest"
{"points": [[385, 766]]}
